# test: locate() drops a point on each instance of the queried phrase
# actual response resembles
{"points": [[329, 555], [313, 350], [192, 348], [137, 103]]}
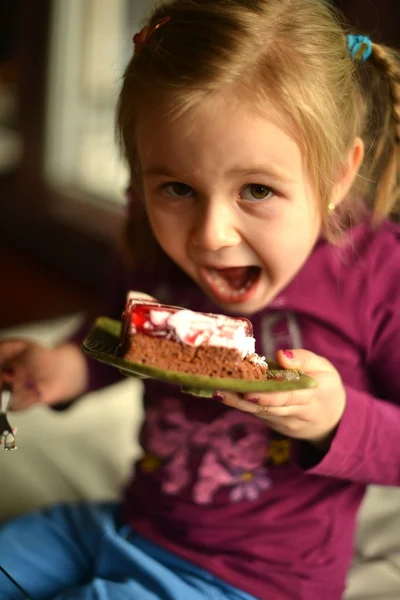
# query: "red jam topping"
{"points": [[141, 319]]}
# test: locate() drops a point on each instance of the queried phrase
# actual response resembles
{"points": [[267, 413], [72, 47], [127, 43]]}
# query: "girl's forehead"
{"points": [[225, 137], [236, 108]]}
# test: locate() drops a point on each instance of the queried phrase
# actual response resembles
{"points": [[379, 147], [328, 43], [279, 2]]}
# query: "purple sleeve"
{"points": [[366, 447]]}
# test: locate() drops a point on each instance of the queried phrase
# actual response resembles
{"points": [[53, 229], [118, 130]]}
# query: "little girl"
{"points": [[263, 144]]}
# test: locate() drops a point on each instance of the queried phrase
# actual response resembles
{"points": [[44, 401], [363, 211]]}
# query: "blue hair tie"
{"points": [[360, 46]]}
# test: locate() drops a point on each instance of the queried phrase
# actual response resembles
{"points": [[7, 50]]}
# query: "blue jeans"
{"points": [[81, 552]]}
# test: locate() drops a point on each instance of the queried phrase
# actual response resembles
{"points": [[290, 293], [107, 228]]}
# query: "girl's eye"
{"points": [[179, 190], [256, 191]]}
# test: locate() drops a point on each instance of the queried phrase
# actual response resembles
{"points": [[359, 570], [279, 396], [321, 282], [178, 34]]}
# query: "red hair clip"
{"points": [[142, 38]]}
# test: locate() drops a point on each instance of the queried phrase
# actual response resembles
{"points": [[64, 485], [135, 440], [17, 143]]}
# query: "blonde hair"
{"points": [[292, 53]]}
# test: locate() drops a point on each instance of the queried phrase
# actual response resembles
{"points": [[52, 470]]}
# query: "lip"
{"points": [[225, 298], [221, 267]]}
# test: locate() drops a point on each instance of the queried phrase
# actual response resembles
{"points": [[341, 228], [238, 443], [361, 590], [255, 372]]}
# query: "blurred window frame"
{"points": [[90, 44]]}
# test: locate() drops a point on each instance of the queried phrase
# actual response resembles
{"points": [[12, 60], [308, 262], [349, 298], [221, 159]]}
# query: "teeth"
{"points": [[223, 287]]}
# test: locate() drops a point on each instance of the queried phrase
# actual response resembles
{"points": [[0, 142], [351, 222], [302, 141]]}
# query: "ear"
{"points": [[348, 172]]}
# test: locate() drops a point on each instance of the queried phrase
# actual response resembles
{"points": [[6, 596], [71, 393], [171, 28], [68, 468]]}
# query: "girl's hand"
{"points": [[41, 375], [311, 415]]}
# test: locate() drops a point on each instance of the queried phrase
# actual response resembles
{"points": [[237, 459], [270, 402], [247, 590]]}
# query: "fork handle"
{"points": [[5, 426]]}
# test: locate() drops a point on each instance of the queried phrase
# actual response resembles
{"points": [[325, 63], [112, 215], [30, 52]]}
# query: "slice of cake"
{"points": [[182, 340]]}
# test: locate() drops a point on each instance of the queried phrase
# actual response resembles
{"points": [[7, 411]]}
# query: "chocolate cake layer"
{"points": [[210, 361]]}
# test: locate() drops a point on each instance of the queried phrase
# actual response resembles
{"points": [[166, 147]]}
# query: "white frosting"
{"points": [[196, 329], [160, 317]]}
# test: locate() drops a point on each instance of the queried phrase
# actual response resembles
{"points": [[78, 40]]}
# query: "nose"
{"points": [[215, 226]]}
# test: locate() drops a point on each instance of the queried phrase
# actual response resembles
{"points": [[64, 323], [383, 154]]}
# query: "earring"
{"points": [[331, 206]]}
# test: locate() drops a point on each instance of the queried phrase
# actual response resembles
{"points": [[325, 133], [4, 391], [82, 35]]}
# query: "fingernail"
{"points": [[31, 385], [253, 399], [9, 372], [288, 353], [218, 396]]}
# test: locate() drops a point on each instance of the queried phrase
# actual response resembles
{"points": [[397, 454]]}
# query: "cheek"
{"points": [[169, 233], [155, 222], [158, 220], [284, 243]]}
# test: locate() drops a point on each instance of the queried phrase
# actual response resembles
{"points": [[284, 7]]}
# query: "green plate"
{"points": [[103, 340]]}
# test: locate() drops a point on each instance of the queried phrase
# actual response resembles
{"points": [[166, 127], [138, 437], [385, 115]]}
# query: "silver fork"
{"points": [[7, 436]]}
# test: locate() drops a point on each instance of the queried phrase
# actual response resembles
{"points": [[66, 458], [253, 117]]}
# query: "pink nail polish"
{"points": [[218, 396], [253, 399], [289, 354], [31, 385]]}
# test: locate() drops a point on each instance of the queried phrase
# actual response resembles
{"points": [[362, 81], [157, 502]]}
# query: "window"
{"points": [[91, 42]]}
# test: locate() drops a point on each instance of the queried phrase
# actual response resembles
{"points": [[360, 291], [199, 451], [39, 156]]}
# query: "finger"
{"points": [[273, 414], [239, 402], [279, 412], [25, 389], [235, 401], [8, 349], [7, 374], [305, 360], [288, 398], [23, 397]]}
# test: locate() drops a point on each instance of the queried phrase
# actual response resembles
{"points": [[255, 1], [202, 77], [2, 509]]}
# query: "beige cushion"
{"points": [[376, 566], [87, 453]]}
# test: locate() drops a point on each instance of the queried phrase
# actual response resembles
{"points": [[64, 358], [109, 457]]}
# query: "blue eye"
{"points": [[179, 190], [256, 191]]}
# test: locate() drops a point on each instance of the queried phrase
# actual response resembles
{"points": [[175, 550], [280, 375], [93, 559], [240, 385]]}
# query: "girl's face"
{"points": [[229, 200]]}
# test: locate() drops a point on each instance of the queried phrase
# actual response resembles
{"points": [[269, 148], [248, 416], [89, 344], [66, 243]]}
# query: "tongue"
{"points": [[237, 277]]}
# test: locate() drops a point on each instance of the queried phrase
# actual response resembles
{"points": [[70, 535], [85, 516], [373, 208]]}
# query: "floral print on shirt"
{"points": [[230, 453]]}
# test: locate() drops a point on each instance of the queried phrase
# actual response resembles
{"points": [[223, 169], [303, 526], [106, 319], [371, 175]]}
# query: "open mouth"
{"points": [[232, 285]]}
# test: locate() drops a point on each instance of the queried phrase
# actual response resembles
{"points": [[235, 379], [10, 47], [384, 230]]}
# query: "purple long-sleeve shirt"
{"points": [[271, 515]]}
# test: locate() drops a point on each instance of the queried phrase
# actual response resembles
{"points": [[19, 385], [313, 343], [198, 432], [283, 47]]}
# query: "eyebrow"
{"points": [[275, 173], [159, 171]]}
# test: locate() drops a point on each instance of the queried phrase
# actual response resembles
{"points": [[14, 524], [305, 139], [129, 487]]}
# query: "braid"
{"points": [[384, 134], [391, 67]]}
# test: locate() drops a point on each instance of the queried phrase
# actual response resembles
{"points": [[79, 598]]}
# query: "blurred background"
{"points": [[61, 209], [61, 179]]}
